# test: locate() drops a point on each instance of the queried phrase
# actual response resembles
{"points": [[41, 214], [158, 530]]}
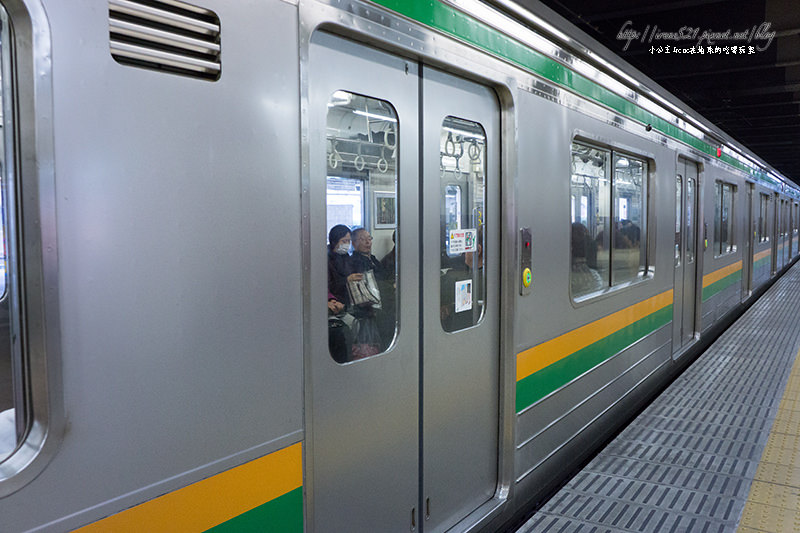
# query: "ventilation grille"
{"points": [[165, 35]]}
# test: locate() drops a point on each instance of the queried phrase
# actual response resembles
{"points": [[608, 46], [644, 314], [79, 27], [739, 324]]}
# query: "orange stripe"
{"points": [[762, 254], [547, 353], [210, 502], [717, 275]]}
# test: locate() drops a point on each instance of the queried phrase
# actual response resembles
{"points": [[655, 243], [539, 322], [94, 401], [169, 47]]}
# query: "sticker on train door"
{"points": [[463, 295], [463, 240]]}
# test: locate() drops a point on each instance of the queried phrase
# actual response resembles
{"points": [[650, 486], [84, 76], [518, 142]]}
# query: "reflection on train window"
{"points": [[452, 210], [462, 171], [678, 193], [11, 373], [691, 243], [761, 229], [361, 208], [609, 220], [785, 221], [345, 199], [724, 241], [796, 222]]}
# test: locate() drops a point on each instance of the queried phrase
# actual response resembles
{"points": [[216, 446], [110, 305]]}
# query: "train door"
{"points": [[787, 243], [747, 274], [686, 256], [460, 314], [397, 405], [775, 233]]}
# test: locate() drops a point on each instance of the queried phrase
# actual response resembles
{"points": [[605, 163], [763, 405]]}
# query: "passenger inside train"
{"points": [[361, 195], [361, 301]]}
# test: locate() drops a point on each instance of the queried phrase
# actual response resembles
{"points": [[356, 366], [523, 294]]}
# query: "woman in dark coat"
{"points": [[339, 334], [338, 265]]}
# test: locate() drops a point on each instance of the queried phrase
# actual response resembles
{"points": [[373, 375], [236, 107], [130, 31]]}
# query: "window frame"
{"points": [[647, 263], [763, 211], [33, 275], [368, 220], [719, 203]]}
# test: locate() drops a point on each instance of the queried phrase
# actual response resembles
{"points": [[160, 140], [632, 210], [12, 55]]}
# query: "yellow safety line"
{"points": [[717, 275], [773, 504], [547, 353], [210, 502]]}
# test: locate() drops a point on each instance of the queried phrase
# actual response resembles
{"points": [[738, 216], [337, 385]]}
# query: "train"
{"points": [[552, 239]]}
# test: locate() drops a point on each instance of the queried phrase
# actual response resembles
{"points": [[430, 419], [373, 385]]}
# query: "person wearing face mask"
{"points": [[338, 268], [340, 339]]}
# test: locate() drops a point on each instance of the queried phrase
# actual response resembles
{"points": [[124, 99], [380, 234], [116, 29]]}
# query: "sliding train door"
{"points": [[686, 255], [461, 311], [402, 363], [362, 379], [748, 242]]}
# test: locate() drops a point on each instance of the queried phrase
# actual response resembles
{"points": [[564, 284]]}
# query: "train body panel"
{"points": [[167, 225], [178, 284]]}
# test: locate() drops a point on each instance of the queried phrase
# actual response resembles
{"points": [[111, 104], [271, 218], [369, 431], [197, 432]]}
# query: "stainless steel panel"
{"points": [[611, 376], [32, 300], [177, 285], [364, 442], [460, 369], [564, 445]]}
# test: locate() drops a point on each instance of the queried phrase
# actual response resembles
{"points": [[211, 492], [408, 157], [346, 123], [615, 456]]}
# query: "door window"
{"points": [[462, 166], [690, 203], [361, 224], [678, 218]]}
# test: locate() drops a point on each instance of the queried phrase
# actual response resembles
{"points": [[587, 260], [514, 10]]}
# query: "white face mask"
{"points": [[342, 249]]}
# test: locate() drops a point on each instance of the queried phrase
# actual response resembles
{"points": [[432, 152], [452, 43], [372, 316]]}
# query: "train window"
{"points": [[452, 212], [346, 200], [724, 241], [463, 186], [591, 221], [627, 246], [362, 144], [785, 225], [609, 220], [678, 234], [691, 243], [761, 228]]}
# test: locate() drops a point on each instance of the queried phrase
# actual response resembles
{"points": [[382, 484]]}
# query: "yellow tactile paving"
{"points": [[773, 504], [790, 405], [777, 473], [761, 518]]}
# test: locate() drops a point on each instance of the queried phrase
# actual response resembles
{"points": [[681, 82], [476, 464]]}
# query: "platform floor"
{"points": [[718, 451]]}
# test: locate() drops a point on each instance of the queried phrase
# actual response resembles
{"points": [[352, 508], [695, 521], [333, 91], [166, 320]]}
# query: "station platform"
{"points": [[717, 451]]}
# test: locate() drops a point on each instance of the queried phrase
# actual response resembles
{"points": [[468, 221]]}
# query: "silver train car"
{"points": [[549, 238]]}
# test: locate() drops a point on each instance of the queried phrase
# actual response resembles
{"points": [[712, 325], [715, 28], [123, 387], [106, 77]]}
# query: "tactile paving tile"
{"points": [[689, 461]]}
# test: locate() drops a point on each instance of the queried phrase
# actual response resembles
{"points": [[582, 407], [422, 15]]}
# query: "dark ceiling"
{"points": [[753, 96]]}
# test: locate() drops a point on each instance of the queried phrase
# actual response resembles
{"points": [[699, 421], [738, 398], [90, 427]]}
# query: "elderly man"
{"points": [[362, 259]]}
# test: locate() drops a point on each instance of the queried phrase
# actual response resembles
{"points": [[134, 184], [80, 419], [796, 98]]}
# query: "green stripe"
{"points": [[762, 261], [457, 24], [722, 284], [281, 515], [538, 385]]}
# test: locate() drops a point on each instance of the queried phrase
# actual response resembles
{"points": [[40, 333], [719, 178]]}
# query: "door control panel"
{"points": [[525, 266]]}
